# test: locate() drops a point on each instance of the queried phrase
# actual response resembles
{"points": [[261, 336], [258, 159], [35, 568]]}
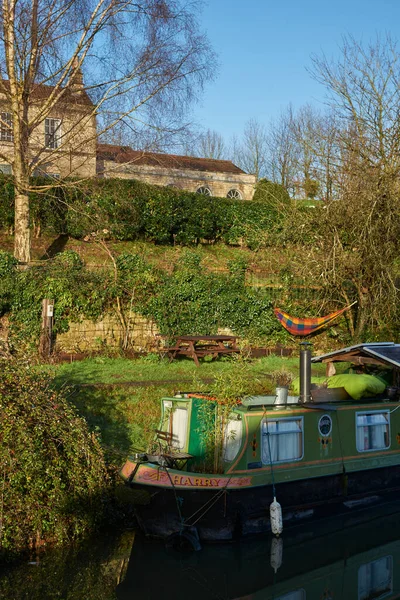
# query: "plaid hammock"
{"points": [[297, 326]]}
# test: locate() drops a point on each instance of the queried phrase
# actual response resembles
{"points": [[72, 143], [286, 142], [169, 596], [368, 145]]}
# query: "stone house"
{"points": [[65, 141], [206, 176]]}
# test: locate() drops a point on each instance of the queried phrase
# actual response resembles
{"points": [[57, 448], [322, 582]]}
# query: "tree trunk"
{"points": [[22, 234], [362, 312]]}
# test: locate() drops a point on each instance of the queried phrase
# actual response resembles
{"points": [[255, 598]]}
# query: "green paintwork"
{"points": [[323, 455]]}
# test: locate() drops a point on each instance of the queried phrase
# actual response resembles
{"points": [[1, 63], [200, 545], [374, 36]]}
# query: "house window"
{"points": [[282, 440], [5, 169], [235, 194], [204, 190], [372, 431], [52, 133], [232, 439], [6, 132], [375, 579]]}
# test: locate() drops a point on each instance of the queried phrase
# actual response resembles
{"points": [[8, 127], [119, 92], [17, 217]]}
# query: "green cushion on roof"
{"points": [[296, 383], [358, 386]]}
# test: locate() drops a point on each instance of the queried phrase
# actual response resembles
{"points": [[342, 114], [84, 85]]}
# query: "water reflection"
{"points": [[90, 572], [354, 556], [339, 559]]}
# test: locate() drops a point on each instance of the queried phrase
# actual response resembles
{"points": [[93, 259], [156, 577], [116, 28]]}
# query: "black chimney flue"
{"points": [[305, 372]]}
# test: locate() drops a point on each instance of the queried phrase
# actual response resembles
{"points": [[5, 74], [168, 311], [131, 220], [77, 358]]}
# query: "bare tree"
{"points": [[202, 144], [359, 234], [328, 170], [212, 145], [143, 60], [364, 93], [251, 151], [282, 154]]}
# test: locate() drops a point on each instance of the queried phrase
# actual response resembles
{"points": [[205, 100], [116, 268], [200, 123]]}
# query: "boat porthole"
{"points": [[325, 425]]}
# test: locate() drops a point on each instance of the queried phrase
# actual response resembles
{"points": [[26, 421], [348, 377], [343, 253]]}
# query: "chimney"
{"points": [[76, 84], [305, 372]]}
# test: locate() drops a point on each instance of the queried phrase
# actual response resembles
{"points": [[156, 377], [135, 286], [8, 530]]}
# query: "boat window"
{"points": [[232, 439], [282, 440], [372, 431], [179, 427], [375, 579]]}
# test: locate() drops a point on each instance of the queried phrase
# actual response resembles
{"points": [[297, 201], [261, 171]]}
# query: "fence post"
{"points": [[46, 333]]}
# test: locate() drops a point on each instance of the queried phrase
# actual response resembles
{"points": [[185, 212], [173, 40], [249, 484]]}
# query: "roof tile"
{"points": [[125, 154]]}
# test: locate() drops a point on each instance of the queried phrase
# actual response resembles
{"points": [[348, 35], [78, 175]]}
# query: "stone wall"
{"points": [[88, 335], [92, 336], [218, 183], [76, 155]]}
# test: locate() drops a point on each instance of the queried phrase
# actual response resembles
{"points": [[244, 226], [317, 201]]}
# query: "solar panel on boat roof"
{"points": [[388, 353], [374, 349], [377, 346]]}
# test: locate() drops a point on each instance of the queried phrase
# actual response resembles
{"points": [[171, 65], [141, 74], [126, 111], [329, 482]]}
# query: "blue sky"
{"points": [[264, 49]]}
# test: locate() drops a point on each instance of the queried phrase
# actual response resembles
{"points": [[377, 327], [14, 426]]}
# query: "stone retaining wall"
{"points": [[96, 336], [88, 335]]}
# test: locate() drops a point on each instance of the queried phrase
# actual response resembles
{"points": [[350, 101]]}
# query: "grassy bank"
{"points": [[120, 398], [214, 256]]}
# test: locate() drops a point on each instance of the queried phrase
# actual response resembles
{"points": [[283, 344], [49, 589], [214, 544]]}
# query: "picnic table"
{"points": [[198, 346]]}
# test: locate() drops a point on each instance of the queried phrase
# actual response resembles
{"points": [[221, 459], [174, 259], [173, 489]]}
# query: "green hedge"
{"points": [[130, 209]]}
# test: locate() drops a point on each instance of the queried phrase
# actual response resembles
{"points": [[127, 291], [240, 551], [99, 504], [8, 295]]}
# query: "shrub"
{"points": [[8, 275], [272, 193], [53, 471]]}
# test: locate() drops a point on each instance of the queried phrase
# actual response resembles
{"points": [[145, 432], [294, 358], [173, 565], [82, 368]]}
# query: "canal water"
{"points": [[352, 556]]}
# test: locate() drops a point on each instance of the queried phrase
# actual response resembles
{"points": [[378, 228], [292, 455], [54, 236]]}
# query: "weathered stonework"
{"points": [[89, 335], [220, 177], [75, 154]]}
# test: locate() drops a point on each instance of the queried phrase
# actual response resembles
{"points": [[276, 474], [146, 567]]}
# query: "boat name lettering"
{"points": [[164, 478]]}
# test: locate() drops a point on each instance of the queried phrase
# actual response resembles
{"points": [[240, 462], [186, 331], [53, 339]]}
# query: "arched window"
{"points": [[204, 190], [234, 194]]}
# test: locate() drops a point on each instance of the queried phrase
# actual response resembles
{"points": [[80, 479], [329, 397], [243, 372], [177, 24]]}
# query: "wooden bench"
{"points": [[200, 346]]}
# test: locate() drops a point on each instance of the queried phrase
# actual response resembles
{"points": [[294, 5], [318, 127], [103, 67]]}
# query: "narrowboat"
{"points": [[214, 475]]}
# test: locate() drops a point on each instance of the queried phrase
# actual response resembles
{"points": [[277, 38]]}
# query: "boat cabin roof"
{"points": [[377, 353]]}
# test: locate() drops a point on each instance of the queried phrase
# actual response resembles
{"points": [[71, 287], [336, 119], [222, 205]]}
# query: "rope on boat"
{"points": [[203, 509], [211, 503], [275, 509], [269, 452], [176, 499]]}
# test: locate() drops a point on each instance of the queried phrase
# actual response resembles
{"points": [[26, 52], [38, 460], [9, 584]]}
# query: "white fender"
{"points": [[275, 514]]}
